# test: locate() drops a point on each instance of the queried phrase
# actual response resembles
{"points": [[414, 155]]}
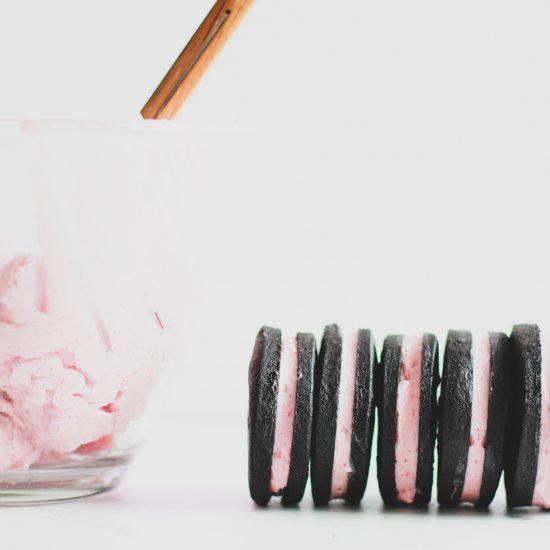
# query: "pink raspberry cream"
{"points": [[481, 367], [541, 493], [284, 419], [70, 379], [408, 418], [342, 468]]}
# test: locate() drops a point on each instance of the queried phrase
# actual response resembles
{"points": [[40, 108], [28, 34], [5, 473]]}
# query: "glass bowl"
{"points": [[83, 337]]}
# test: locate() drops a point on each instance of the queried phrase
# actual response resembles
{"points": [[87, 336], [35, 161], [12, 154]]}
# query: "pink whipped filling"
{"points": [[481, 367], [70, 380], [284, 419], [408, 418], [342, 467], [541, 494]]}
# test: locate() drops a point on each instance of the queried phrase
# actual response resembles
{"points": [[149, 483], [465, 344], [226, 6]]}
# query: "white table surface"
{"points": [[196, 496]]}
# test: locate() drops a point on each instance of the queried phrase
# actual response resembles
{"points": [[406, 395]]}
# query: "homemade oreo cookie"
{"points": [[406, 386], [343, 417], [280, 415], [527, 469], [473, 411]]}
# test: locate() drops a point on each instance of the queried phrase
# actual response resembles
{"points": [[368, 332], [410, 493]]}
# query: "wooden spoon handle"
{"points": [[195, 59]]}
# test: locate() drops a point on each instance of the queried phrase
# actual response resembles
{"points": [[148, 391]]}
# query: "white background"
{"points": [[378, 164]]}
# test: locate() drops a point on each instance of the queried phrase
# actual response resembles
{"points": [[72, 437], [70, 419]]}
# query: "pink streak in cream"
{"points": [[342, 468], [541, 493], [481, 367], [284, 420], [61, 391], [408, 417]]}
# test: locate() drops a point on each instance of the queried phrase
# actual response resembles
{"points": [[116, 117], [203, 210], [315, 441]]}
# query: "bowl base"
{"points": [[73, 478]]}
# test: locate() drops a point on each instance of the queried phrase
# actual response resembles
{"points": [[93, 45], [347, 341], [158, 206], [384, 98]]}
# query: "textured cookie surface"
{"points": [[497, 419], [525, 416], [455, 416], [363, 417], [325, 410], [263, 387], [428, 419]]}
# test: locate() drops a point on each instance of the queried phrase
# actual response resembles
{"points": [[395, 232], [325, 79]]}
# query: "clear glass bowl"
{"points": [[82, 332]]}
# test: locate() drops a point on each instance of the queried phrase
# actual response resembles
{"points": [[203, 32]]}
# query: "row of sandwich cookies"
{"points": [[318, 409]]}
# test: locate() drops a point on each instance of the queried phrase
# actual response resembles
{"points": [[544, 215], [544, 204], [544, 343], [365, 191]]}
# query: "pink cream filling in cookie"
{"points": [[481, 367], [284, 419], [541, 493], [341, 467], [407, 423]]}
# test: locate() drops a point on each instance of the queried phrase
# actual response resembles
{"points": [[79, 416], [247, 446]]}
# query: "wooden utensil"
{"points": [[195, 59]]}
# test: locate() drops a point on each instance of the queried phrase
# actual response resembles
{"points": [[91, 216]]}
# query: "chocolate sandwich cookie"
{"points": [[473, 411], [280, 415], [343, 417], [406, 386], [527, 469]]}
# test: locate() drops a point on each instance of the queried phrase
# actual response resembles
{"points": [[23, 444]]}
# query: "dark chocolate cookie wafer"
{"points": [[343, 417], [473, 417], [407, 381], [525, 485], [280, 415]]}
